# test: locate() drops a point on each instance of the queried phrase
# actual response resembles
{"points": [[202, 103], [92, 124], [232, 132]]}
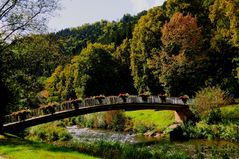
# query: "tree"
{"points": [[91, 73], [224, 41], [199, 9], [73, 40], [182, 40], [224, 16], [116, 32], [145, 43], [181, 34], [122, 56], [18, 18], [27, 62]]}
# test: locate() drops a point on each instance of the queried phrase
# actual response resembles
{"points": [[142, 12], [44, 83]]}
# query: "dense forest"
{"points": [[177, 48]]}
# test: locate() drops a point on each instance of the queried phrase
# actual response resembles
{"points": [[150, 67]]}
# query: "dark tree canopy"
{"points": [[18, 18]]}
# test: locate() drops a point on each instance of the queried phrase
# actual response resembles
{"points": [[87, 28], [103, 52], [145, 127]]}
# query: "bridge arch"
{"points": [[90, 105]]}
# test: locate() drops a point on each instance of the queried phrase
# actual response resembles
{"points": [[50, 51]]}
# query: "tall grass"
{"points": [[162, 150]]}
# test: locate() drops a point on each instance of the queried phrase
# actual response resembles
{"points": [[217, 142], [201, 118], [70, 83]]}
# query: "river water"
{"points": [[193, 147], [91, 135]]}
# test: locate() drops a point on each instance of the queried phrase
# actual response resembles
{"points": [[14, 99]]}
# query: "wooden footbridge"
{"points": [[90, 105]]}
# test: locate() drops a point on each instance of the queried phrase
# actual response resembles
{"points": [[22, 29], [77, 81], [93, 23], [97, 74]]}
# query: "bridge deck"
{"points": [[90, 105]]}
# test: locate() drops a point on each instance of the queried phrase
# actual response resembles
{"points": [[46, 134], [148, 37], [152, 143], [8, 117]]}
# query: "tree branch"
{"points": [[7, 9], [21, 26], [4, 5]]}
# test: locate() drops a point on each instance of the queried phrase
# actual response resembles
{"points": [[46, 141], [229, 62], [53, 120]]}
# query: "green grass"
{"points": [[161, 119], [230, 112], [16, 148]]}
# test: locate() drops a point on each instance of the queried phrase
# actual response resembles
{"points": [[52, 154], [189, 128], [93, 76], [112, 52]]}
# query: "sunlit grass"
{"points": [[230, 112], [15, 148], [161, 119]]}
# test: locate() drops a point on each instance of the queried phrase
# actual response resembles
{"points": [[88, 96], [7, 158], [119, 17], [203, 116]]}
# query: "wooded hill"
{"points": [[177, 48]]}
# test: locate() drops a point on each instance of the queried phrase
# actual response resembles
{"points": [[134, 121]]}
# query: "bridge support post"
{"points": [[182, 116], [179, 117]]}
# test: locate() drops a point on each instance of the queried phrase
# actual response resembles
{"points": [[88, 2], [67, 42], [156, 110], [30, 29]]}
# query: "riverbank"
{"points": [[161, 148], [63, 145], [17, 148], [13, 147], [93, 143]]}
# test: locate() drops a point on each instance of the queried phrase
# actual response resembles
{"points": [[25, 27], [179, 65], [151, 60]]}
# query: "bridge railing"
{"points": [[88, 102]]}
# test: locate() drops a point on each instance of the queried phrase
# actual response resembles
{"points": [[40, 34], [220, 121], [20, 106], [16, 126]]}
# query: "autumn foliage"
{"points": [[182, 31]]}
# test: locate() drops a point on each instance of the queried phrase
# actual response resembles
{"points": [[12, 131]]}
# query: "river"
{"points": [[90, 135], [195, 148]]}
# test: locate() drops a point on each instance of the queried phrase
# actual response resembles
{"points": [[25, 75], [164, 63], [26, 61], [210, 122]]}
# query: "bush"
{"points": [[209, 98], [48, 132], [214, 116], [219, 131], [115, 120], [142, 127]]}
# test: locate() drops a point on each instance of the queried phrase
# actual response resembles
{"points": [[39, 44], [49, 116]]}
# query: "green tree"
{"points": [[116, 32], [93, 72], [18, 18], [146, 39], [224, 15], [28, 62], [73, 40]]}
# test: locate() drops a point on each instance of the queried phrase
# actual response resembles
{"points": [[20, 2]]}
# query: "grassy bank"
{"points": [[231, 112], [218, 124], [195, 149], [16, 148], [160, 119]]}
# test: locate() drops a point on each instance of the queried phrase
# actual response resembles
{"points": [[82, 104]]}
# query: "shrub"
{"points": [[89, 121], [214, 116], [48, 132], [142, 127], [115, 120], [209, 98], [219, 131]]}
